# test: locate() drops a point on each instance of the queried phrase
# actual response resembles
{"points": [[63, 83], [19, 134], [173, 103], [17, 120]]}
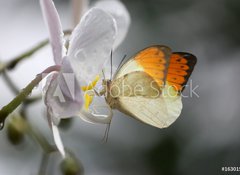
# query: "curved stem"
{"points": [[10, 83], [44, 163], [14, 61], [40, 139], [16, 90], [10, 107]]}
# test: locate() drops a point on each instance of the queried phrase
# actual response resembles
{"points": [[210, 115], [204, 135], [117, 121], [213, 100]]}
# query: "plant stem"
{"points": [[44, 163], [16, 90], [13, 62], [10, 107], [40, 139], [10, 83]]}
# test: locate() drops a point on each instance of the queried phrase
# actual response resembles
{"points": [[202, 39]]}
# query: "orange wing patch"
{"points": [[180, 69], [155, 61]]}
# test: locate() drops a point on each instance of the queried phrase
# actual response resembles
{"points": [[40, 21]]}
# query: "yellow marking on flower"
{"points": [[87, 100], [87, 97], [91, 85]]}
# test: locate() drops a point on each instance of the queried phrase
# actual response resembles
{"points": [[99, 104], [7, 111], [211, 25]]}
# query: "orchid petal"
{"points": [[91, 44], [120, 14], [91, 117], [52, 20], [63, 94], [56, 134], [58, 140]]}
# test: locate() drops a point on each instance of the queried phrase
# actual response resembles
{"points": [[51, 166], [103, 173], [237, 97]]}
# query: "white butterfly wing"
{"points": [[147, 70], [159, 112], [140, 96]]}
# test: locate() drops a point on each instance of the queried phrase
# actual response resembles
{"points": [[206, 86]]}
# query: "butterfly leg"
{"points": [[106, 133]]}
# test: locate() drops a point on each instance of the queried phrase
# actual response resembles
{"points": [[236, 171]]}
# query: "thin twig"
{"points": [[21, 97], [10, 83], [44, 163], [40, 139], [14, 61], [16, 90]]}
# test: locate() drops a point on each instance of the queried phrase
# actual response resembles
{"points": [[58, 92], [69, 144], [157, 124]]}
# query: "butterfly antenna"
{"points": [[103, 74], [106, 133], [111, 61], [124, 57]]}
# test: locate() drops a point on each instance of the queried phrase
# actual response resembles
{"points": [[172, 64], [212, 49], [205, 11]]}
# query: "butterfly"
{"points": [[148, 86]]}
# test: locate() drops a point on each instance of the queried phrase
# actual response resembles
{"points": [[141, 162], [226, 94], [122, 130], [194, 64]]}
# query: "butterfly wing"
{"points": [[162, 110], [138, 95], [153, 60], [159, 112], [180, 69]]}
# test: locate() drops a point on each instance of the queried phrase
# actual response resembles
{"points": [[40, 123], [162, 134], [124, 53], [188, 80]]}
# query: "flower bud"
{"points": [[16, 129], [71, 166]]}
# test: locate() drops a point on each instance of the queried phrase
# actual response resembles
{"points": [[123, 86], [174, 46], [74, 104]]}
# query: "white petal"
{"points": [[52, 20], [91, 44], [63, 93], [120, 14], [94, 118], [56, 134], [58, 140]]}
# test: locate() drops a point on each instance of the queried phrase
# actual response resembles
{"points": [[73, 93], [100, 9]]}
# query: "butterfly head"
{"points": [[106, 84], [106, 91]]}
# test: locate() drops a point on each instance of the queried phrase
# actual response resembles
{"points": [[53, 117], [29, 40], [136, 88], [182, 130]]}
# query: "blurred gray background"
{"points": [[203, 139]]}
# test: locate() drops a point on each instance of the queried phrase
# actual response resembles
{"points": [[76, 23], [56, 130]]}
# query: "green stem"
{"points": [[16, 90], [10, 83], [40, 139], [44, 163], [10, 107], [13, 62]]}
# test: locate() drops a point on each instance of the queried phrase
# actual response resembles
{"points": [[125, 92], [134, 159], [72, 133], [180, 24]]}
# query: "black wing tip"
{"points": [[191, 58]]}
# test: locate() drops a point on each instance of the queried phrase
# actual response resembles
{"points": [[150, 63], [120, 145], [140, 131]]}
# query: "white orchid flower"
{"points": [[90, 46], [95, 46]]}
